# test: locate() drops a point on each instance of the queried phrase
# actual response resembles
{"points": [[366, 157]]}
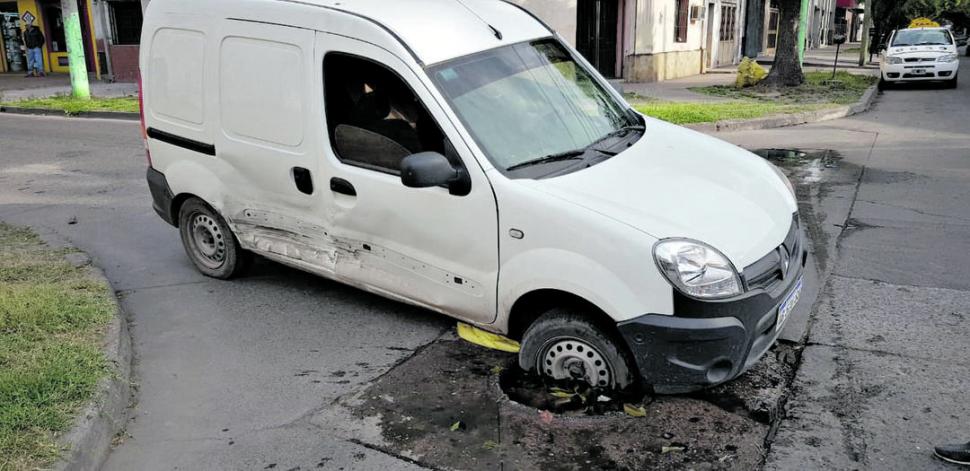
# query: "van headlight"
{"points": [[697, 269], [947, 58], [892, 60]]}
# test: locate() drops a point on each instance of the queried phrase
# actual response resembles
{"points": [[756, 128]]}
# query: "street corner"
{"points": [[454, 405]]}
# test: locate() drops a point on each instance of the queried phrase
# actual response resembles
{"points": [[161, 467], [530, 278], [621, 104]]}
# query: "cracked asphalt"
{"points": [[235, 375]]}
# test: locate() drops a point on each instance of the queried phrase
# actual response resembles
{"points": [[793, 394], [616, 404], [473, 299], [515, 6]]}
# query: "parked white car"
{"points": [[920, 54], [460, 157]]}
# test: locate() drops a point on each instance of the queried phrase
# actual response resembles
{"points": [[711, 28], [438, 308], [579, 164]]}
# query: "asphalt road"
{"points": [[885, 374], [230, 373]]}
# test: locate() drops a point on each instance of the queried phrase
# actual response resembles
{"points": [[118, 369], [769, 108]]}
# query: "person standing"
{"points": [[34, 42]]}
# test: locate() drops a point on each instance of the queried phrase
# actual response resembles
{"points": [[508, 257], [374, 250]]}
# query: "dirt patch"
{"points": [[444, 408]]}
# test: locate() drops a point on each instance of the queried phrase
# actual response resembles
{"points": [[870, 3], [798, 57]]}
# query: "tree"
{"points": [[787, 68]]}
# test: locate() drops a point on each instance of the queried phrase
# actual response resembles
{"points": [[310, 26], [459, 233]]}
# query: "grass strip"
{"points": [[52, 320]]}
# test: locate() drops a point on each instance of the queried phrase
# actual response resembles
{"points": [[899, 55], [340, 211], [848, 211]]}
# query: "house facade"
{"points": [[648, 40], [110, 31]]}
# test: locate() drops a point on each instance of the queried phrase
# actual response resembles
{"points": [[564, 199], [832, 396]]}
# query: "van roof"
{"points": [[438, 30]]}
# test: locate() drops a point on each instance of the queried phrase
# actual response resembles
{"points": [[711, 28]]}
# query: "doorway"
{"points": [[771, 31], [54, 30], [597, 34], [709, 45], [727, 37]]}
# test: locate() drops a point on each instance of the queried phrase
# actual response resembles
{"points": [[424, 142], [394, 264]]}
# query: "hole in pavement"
{"points": [[563, 396]]}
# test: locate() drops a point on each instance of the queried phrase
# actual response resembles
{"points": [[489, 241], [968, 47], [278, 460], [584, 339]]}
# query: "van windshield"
{"points": [[530, 104]]}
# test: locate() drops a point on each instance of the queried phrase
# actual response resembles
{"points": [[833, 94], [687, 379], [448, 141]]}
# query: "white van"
{"points": [[459, 156]]}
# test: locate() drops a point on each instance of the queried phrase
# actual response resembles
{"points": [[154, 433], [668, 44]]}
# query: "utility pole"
{"points": [[867, 25], [803, 30], [75, 50]]}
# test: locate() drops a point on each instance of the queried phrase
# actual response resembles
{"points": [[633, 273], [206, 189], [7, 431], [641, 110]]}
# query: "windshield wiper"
{"points": [[567, 155], [577, 153]]}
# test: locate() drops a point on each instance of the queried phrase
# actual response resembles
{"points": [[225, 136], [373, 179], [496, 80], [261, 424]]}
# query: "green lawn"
{"points": [[52, 317], [71, 106], [818, 92], [696, 112]]}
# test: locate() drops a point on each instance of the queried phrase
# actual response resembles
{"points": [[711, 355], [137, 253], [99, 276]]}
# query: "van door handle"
{"points": [[339, 185]]}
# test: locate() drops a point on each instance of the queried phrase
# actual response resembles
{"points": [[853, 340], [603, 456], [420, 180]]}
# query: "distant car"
{"points": [[920, 54]]}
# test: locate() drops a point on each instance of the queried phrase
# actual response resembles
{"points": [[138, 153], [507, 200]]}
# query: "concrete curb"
{"points": [[87, 444], [85, 114], [770, 122]]}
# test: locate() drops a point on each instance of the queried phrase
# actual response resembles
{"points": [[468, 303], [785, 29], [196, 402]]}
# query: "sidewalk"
{"points": [[678, 89], [14, 86], [825, 56]]}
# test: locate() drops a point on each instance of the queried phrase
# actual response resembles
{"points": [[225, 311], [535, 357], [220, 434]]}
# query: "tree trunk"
{"points": [[787, 69]]}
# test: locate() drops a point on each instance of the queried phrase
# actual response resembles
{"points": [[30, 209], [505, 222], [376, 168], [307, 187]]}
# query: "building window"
{"points": [[126, 17], [681, 21]]}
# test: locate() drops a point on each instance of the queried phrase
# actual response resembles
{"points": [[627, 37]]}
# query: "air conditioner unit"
{"points": [[696, 13]]}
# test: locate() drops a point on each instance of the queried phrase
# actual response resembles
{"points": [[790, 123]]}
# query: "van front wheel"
{"points": [[209, 242], [566, 345]]}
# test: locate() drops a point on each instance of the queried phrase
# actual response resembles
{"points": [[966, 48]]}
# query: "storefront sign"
{"points": [[28, 18]]}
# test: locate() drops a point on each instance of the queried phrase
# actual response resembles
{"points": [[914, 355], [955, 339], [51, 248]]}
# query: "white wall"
{"points": [[560, 15]]}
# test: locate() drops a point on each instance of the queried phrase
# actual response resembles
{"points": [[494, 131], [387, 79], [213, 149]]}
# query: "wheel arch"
{"points": [[530, 306]]}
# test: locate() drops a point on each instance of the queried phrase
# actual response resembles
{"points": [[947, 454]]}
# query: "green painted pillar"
{"points": [[75, 49], [802, 30]]}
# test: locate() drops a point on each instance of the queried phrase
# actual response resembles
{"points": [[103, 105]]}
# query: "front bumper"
{"points": [[906, 72], [706, 343]]}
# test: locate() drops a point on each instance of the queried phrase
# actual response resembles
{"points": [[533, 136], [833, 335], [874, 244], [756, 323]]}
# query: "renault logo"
{"points": [[785, 262]]}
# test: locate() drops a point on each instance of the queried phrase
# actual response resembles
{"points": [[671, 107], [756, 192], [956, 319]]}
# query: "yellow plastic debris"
{"points": [[487, 339], [749, 73]]}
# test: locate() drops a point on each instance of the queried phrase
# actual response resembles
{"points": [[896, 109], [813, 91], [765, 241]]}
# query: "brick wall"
{"points": [[124, 62]]}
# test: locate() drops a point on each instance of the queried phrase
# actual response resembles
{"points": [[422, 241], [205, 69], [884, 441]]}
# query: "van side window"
{"points": [[374, 119]]}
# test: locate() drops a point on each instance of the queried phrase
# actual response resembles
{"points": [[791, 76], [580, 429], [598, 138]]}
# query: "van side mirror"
{"points": [[427, 169]]}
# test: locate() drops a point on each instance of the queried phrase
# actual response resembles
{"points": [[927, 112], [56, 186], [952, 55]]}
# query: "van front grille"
{"points": [[772, 268]]}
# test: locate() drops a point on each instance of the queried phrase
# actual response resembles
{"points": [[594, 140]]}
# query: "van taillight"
{"points": [[144, 130]]}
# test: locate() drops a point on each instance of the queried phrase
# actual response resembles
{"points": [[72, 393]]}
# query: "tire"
{"points": [[883, 84], [209, 243], [561, 339]]}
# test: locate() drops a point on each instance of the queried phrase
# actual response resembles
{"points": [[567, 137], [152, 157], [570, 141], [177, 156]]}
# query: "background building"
{"points": [[46, 14], [112, 28], [648, 40]]}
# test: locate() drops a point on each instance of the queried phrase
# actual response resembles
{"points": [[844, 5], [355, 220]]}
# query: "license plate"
{"points": [[788, 305], [919, 71]]}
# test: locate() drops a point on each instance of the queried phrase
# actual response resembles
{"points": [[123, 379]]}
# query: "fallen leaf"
{"points": [[634, 411], [490, 445], [562, 394], [456, 426], [671, 449], [497, 369]]}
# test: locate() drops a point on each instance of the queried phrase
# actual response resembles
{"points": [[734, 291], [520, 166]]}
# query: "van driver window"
{"points": [[373, 118]]}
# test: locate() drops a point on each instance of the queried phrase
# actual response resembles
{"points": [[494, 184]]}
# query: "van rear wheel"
{"points": [[566, 345], [209, 242]]}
